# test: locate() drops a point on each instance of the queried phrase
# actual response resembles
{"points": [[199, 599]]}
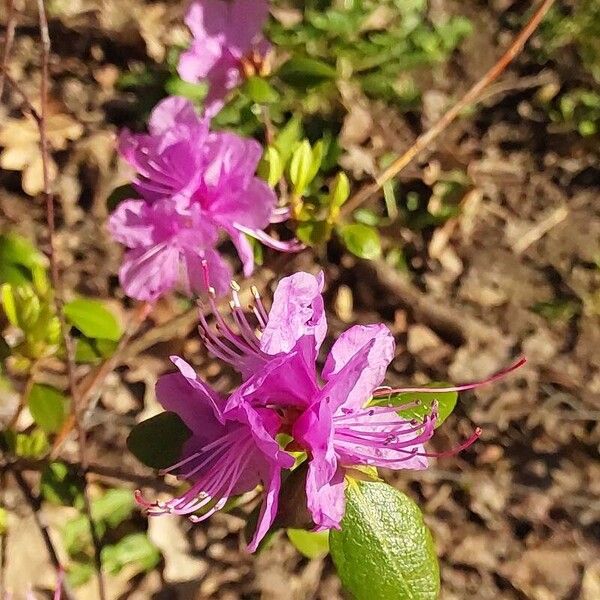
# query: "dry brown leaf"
{"points": [[20, 139]]}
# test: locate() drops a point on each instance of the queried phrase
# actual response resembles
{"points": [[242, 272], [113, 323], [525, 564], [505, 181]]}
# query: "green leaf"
{"points": [[114, 507], [339, 191], [60, 485], [259, 90], [305, 72], [48, 407], [9, 304], [300, 167], [446, 402], [79, 573], [134, 549], [157, 442], [27, 445], [271, 166], [123, 192], [384, 551], [313, 233], [17, 250], [93, 319], [363, 241], [310, 543], [287, 138], [175, 86], [93, 350]]}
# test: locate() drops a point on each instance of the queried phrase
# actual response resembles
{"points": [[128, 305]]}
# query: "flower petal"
{"points": [[268, 510], [371, 349], [324, 482], [297, 311], [146, 273], [131, 223]]}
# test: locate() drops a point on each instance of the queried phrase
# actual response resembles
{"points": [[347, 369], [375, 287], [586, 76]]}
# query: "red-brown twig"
{"points": [[449, 116], [35, 504], [11, 22], [58, 291]]}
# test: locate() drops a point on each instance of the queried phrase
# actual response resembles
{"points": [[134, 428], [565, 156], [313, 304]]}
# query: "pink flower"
{"points": [[224, 33], [195, 184], [229, 453], [335, 421]]}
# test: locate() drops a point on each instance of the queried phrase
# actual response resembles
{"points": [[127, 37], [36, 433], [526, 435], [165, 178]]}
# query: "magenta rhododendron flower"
{"points": [[224, 34], [194, 185], [330, 415], [229, 453], [340, 416]]}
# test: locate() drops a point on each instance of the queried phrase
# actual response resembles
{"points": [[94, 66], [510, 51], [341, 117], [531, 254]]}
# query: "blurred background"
{"points": [[490, 247]]}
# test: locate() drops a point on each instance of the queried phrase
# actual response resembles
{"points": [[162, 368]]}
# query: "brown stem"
{"points": [[35, 504], [448, 117], [11, 23], [58, 292]]}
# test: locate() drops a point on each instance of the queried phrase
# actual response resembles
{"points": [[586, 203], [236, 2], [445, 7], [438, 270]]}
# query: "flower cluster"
{"points": [[194, 185], [338, 417], [227, 44]]}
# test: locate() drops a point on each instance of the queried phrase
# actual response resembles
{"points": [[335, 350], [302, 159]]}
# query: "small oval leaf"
{"points": [[157, 442], [363, 241], [48, 407], [93, 319], [305, 72], [312, 544], [384, 551]]}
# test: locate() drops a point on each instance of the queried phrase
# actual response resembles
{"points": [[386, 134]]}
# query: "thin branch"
{"points": [[9, 37], [101, 473], [448, 117], [58, 292], [35, 504]]}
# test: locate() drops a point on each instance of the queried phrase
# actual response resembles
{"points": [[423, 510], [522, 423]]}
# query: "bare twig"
{"points": [[35, 504], [11, 22], [58, 291], [101, 473], [448, 117]]}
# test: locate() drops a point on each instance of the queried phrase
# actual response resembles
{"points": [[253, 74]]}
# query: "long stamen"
{"points": [[264, 317], [456, 388]]}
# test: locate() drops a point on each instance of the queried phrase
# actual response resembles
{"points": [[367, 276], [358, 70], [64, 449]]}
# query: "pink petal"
{"points": [[371, 348], [297, 311], [220, 273], [131, 224], [193, 400], [146, 274], [245, 23], [207, 18], [171, 112], [268, 510]]}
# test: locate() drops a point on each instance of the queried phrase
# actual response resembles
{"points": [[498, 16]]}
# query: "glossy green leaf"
{"points": [[30, 445], [48, 407], [446, 402], [271, 166], [305, 72], [260, 90], [3, 521], [60, 485], [17, 250], [93, 319], [93, 350], [175, 86], [312, 544], [363, 241], [384, 551], [287, 138], [339, 191], [157, 442]]}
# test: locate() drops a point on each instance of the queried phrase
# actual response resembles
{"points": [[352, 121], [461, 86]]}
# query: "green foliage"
{"points": [[309, 543], [559, 309], [25, 445], [134, 550], [110, 511], [362, 240], [48, 407], [157, 442], [376, 43], [93, 319], [446, 402], [21, 262], [60, 485], [3, 521], [384, 550]]}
